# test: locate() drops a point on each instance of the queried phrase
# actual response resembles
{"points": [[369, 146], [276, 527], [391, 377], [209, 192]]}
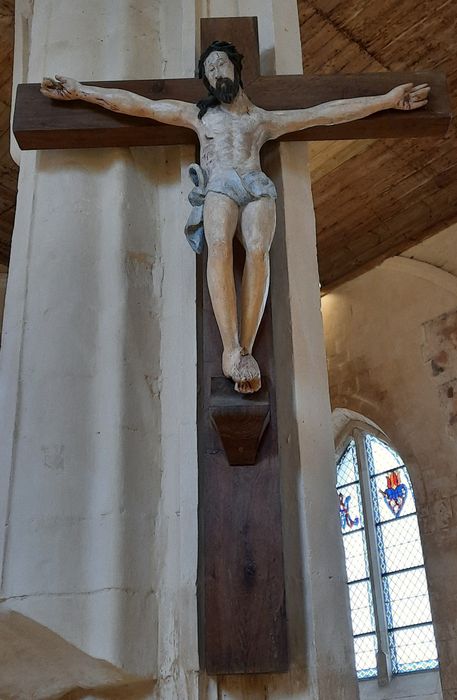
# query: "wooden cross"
{"points": [[40, 123], [241, 585]]}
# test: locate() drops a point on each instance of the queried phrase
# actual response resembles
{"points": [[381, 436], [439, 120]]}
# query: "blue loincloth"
{"points": [[242, 189]]}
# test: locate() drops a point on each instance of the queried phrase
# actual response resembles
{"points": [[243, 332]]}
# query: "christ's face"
{"points": [[220, 73]]}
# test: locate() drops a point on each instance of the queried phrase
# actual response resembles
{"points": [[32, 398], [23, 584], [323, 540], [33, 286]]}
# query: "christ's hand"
{"points": [[409, 96], [61, 88]]}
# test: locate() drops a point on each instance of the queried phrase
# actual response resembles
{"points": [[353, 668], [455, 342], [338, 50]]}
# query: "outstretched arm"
{"points": [[404, 97], [168, 111]]}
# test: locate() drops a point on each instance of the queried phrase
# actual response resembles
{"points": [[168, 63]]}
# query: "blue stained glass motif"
{"points": [[347, 520], [382, 511], [395, 494]]}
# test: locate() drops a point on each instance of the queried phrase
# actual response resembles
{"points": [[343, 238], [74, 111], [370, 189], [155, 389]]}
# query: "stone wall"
{"points": [[391, 339]]}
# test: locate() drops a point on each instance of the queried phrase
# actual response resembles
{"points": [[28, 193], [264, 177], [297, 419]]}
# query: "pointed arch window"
{"points": [[390, 607]]}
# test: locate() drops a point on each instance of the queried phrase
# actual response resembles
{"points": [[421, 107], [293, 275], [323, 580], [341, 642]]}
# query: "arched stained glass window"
{"points": [[390, 608]]}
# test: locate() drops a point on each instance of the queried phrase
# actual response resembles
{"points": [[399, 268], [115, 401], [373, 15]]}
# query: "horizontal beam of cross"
{"points": [[41, 123]]}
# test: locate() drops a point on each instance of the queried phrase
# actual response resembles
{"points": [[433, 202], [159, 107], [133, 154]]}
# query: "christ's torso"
{"points": [[231, 140]]}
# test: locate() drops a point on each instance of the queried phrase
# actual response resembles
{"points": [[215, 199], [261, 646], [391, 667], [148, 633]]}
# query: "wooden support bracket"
{"points": [[240, 420]]}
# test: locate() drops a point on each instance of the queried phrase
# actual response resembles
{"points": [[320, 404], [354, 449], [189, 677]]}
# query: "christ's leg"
{"points": [[258, 221], [220, 220]]}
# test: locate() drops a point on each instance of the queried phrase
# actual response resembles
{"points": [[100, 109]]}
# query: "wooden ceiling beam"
{"points": [[392, 251], [322, 11], [390, 195], [404, 240]]}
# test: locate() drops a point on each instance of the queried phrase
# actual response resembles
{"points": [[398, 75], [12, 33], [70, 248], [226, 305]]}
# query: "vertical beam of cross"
{"points": [[242, 593]]}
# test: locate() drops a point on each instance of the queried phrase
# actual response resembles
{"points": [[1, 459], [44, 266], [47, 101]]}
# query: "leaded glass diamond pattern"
{"points": [[355, 550], [399, 544], [361, 607], [408, 596], [413, 649], [347, 471], [381, 457], [365, 655]]}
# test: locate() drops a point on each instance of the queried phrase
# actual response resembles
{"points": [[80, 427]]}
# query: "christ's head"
{"points": [[220, 68]]}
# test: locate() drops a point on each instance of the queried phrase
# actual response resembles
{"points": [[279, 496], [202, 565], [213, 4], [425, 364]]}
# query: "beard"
{"points": [[226, 90]]}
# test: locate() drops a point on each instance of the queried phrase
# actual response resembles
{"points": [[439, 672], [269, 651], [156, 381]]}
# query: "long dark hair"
{"points": [[237, 60]]}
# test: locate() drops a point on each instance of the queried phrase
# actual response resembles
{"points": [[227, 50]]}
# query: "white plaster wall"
{"points": [[384, 363]]}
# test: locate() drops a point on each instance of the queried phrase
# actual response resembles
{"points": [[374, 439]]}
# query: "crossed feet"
{"points": [[239, 366]]}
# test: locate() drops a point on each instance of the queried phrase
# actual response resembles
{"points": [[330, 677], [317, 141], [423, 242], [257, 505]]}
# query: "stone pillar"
{"points": [[98, 465]]}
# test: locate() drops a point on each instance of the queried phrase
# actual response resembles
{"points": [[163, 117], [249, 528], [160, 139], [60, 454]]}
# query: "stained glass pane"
{"points": [[350, 503], [413, 649], [381, 458], [347, 471], [392, 495], [399, 544], [361, 607], [408, 595], [356, 556], [365, 656]]}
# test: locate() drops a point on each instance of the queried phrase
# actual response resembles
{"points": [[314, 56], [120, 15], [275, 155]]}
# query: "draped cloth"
{"points": [[241, 188]]}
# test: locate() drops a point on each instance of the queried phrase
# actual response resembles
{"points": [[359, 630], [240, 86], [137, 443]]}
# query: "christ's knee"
{"points": [[220, 250], [256, 243], [258, 255]]}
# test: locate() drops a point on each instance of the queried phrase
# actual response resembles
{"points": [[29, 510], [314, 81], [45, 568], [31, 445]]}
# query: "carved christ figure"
{"points": [[230, 187]]}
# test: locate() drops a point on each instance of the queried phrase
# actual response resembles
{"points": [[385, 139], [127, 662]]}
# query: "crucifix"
{"points": [[242, 608]]}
